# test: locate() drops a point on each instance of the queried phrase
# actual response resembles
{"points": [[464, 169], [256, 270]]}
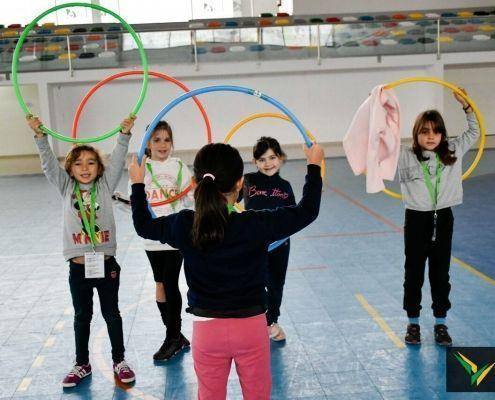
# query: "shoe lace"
{"points": [[77, 370], [122, 367]]}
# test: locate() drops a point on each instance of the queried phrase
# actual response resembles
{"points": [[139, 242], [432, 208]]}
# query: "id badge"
{"points": [[94, 265]]}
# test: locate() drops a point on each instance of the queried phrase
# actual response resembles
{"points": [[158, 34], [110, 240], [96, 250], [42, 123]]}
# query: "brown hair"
{"points": [[446, 155], [266, 143], [75, 153], [162, 125], [224, 163]]}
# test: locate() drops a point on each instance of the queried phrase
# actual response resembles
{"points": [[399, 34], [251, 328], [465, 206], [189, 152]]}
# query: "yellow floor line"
{"points": [[38, 361], [474, 271], [24, 384], [50, 341], [379, 320], [60, 325]]}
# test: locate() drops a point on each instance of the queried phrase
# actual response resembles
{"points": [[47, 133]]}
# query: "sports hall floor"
{"points": [[345, 274]]}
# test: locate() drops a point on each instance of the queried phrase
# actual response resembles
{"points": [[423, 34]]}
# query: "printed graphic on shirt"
{"points": [[253, 191], [168, 188], [82, 237]]}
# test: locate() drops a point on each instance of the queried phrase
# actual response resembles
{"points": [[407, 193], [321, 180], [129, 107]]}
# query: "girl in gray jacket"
{"points": [[431, 183], [89, 243]]}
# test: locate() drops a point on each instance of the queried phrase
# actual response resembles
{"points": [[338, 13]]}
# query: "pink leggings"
{"points": [[215, 343]]}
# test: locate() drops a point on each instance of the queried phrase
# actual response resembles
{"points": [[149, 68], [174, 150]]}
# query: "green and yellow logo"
{"points": [[477, 375]]}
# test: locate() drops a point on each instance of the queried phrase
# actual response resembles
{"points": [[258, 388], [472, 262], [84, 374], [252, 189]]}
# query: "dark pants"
{"points": [[278, 260], [81, 290], [166, 266], [418, 231]]}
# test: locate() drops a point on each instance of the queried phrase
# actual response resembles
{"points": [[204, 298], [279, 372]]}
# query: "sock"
{"points": [[163, 311], [414, 320], [439, 321]]}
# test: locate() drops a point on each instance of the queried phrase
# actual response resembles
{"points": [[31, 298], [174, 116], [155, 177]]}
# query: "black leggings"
{"points": [[81, 290], [278, 259], [166, 266], [418, 231]]}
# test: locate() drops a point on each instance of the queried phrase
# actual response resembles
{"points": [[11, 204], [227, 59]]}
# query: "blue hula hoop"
{"points": [[221, 88]]}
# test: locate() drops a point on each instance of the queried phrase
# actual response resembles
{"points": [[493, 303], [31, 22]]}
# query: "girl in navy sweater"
{"points": [[225, 261], [265, 189]]}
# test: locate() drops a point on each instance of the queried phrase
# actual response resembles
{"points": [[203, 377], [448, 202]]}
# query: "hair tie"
{"points": [[209, 175]]}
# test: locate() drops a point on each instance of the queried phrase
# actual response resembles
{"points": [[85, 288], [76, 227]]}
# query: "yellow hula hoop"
{"points": [[243, 122], [476, 111]]}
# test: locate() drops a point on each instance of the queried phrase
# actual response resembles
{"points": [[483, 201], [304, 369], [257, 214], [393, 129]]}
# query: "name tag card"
{"points": [[94, 265]]}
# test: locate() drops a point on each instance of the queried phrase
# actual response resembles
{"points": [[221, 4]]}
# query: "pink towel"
{"points": [[372, 142]]}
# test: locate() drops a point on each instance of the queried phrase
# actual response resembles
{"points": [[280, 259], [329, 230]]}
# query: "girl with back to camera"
{"points": [[225, 261]]}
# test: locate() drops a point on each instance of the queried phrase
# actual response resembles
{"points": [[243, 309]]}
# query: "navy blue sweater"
{"points": [[261, 191], [229, 276]]}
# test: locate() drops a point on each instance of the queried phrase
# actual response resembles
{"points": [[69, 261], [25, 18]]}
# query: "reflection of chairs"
{"points": [[48, 57], [256, 47], [66, 56], [86, 55], [53, 48], [62, 31], [426, 40], [237, 49], [107, 54], [218, 49], [481, 37], [91, 46], [28, 58]]}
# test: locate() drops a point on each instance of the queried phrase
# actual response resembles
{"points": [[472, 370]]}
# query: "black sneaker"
{"points": [[413, 334], [170, 348], [442, 337]]}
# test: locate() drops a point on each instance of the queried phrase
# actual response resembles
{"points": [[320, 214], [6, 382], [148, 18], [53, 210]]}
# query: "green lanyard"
{"points": [[433, 191], [231, 208], [178, 182], [88, 225]]}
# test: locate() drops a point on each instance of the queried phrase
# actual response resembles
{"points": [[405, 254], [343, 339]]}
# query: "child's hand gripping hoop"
{"points": [[15, 62]]}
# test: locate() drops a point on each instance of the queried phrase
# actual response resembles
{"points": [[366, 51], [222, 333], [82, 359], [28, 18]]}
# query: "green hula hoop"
{"points": [[15, 62]]}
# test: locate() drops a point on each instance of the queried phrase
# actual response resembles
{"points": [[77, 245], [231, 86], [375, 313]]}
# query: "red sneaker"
{"points": [[76, 375], [124, 372]]}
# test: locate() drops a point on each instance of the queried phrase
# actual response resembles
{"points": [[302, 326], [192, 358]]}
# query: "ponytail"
{"points": [[217, 169], [211, 214]]}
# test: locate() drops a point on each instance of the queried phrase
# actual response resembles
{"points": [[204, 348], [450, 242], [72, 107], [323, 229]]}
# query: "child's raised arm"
{"points": [[464, 142], [148, 228], [55, 174], [117, 159]]}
